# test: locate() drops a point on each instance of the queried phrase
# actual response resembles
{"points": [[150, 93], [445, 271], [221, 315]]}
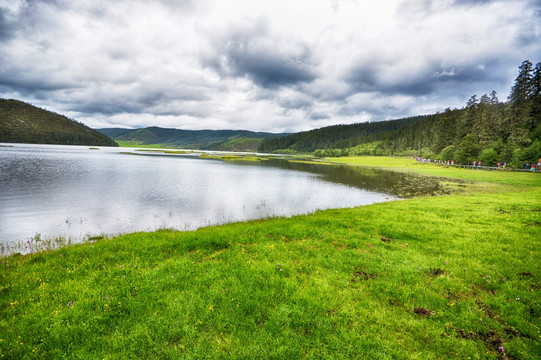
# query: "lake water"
{"points": [[76, 192]]}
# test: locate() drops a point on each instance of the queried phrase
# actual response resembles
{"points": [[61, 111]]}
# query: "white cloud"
{"points": [[260, 65]]}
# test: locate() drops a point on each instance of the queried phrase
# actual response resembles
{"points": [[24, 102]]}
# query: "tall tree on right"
{"points": [[522, 91], [536, 92], [519, 118]]}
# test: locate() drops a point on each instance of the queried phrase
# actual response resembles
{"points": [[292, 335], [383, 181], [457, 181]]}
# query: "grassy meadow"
{"points": [[447, 277]]}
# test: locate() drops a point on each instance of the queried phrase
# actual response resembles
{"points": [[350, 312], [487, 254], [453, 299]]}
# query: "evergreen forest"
{"points": [[486, 130], [24, 123]]}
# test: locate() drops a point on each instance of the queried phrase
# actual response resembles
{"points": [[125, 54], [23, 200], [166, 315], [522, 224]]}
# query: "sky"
{"points": [[275, 66]]}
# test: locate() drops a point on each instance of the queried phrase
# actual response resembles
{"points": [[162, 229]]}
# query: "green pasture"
{"points": [[446, 277]]}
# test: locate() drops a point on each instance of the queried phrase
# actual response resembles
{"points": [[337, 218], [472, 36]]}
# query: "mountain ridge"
{"points": [[225, 140]]}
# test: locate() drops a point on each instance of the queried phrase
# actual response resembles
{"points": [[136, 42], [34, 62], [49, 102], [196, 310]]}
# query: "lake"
{"points": [[76, 192]]}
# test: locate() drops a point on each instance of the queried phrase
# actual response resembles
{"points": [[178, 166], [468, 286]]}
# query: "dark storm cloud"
{"points": [[372, 78], [27, 83], [269, 69], [269, 60], [7, 27]]}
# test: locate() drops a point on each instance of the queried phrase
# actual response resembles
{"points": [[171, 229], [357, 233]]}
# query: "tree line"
{"points": [[486, 130]]}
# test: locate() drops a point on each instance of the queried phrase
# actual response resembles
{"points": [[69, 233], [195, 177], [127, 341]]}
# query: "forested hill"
{"points": [[225, 140], [23, 123], [337, 136], [486, 130]]}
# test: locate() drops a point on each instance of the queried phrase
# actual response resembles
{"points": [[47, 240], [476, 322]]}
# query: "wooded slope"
{"points": [[226, 140], [24, 123], [486, 130]]}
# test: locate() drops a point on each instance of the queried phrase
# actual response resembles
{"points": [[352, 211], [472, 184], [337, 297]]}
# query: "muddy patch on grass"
{"points": [[361, 275], [436, 272], [421, 311], [491, 339]]}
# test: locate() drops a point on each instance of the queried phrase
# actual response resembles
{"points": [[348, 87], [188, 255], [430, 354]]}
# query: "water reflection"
{"points": [[400, 184], [76, 192]]}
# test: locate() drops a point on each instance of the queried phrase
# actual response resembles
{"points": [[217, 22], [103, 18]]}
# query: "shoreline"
{"points": [[451, 276]]}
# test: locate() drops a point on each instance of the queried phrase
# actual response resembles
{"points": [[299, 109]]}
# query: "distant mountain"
{"points": [[225, 140], [24, 123]]}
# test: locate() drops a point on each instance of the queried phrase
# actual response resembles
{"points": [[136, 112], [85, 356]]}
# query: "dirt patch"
{"points": [[362, 275], [490, 338], [436, 272], [512, 332], [421, 311]]}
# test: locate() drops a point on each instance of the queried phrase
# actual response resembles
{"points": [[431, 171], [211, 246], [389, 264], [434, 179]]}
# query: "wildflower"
{"points": [[517, 299], [445, 262], [501, 349], [120, 266], [70, 303]]}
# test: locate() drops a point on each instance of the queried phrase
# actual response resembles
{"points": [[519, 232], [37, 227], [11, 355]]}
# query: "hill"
{"points": [[485, 130], [24, 123], [336, 136], [225, 140]]}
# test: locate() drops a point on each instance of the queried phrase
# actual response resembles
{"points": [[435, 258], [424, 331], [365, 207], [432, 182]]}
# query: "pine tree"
{"points": [[536, 93], [521, 100], [494, 98], [523, 88]]}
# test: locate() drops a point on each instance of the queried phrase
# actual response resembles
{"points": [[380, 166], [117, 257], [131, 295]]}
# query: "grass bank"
{"points": [[448, 277], [138, 144]]}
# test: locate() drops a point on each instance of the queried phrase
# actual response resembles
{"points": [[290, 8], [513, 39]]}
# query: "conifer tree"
{"points": [[520, 99], [523, 88], [536, 93]]}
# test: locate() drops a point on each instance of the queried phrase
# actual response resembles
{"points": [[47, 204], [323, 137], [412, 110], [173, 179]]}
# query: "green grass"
{"points": [[409, 164], [138, 144], [349, 283]]}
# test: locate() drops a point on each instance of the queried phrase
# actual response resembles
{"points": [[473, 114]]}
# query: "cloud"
{"points": [[260, 65], [270, 60]]}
